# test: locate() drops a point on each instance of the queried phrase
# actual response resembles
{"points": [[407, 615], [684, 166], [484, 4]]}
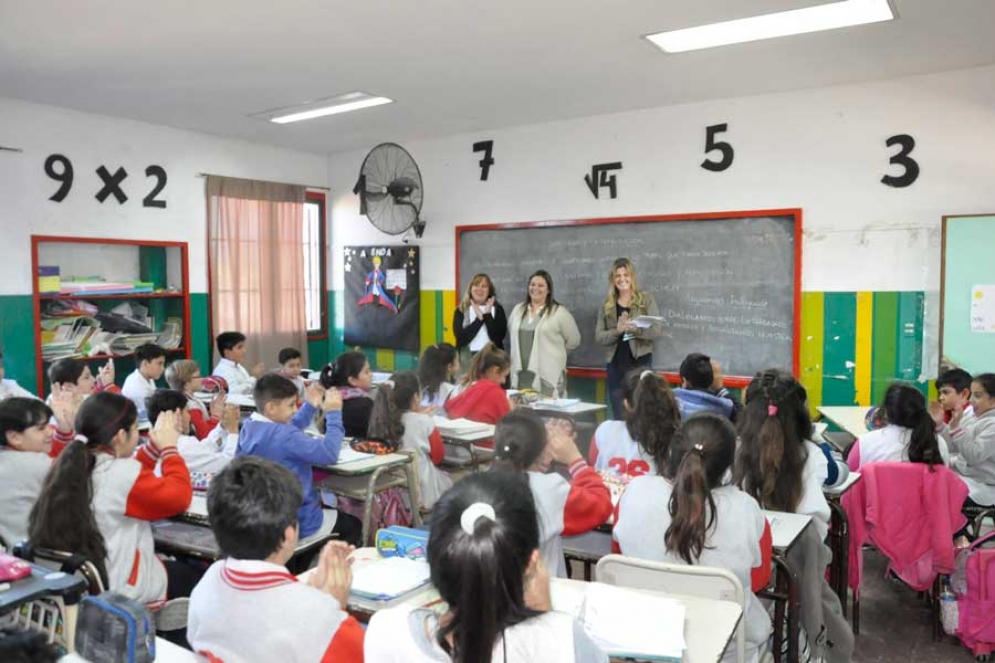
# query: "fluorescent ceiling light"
{"points": [[330, 106], [830, 16]]}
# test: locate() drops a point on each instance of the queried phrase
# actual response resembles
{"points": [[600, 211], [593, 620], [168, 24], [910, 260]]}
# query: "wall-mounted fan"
{"points": [[390, 190]]}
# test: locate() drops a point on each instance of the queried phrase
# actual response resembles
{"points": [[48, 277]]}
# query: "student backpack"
{"points": [[974, 584]]}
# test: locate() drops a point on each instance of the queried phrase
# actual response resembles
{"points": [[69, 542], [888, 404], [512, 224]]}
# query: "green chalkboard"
{"points": [[967, 260]]}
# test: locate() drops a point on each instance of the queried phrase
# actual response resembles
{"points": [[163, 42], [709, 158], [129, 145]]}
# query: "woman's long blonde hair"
{"points": [[465, 303], [637, 296]]}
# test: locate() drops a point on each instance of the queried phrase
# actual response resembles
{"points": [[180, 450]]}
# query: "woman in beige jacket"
{"points": [[626, 346], [541, 332]]}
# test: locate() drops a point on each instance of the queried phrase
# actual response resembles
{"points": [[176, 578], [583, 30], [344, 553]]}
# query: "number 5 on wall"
{"points": [[723, 147]]}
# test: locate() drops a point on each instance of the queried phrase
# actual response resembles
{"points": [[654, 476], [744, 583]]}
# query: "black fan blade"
{"points": [[360, 189], [402, 187]]}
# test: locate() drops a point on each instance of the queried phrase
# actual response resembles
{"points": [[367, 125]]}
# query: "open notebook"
{"points": [[625, 622], [389, 578], [460, 426]]}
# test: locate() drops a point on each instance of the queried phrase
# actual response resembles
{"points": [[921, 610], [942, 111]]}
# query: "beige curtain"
{"points": [[257, 265]]}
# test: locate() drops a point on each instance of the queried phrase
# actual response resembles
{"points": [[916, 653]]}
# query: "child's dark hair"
{"points": [[392, 400], [433, 369], [482, 575], [700, 455], [519, 439], [148, 352], [250, 505], [697, 370], [488, 357], [273, 387], [905, 406], [286, 354], [987, 382], [957, 378], [654, 416], [164, 400], [66, 371], [773, 428], [19, 414], [63, 517], [228, 340], [346, 365], [20, 646]]}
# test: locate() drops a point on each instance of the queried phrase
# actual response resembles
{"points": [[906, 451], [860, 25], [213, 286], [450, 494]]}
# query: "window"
{"points": [[313, 245]]}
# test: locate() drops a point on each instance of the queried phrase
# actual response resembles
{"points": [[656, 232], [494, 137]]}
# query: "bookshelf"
{"points": [[161, 267]]}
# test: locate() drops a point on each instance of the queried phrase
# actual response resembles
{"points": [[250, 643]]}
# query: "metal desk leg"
{"points": [[371, 487], [414, 491]]}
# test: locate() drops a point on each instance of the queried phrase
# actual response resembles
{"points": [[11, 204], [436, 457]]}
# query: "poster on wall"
{"points": [[983, 309], [382, 296]]}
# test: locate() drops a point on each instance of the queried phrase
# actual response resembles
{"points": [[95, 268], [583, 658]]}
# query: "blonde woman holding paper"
{"points": [[627, 346]]}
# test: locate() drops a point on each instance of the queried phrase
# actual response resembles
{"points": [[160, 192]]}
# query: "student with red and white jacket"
{"points": [[483, 397], [694, 517], [523, 443], [113, 528], [248, 607], [630, 447]]}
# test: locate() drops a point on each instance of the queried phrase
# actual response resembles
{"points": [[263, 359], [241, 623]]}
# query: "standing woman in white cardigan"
{"points": [[541, 332]]}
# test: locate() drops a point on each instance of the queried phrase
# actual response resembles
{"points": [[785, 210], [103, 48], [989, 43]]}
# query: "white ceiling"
{"points": [[453, 66]]}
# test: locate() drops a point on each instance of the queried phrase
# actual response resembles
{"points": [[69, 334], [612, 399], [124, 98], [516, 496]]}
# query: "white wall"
{"points": [[90, 141], [822, 150]]}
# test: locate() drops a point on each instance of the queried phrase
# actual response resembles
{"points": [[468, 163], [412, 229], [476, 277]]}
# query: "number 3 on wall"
{"points": [[903, 159], [711, 145]]}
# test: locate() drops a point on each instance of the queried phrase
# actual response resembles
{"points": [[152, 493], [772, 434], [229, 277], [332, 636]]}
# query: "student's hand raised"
{"points": [[231, 419], [332, 401], [314, 394], [936, 411], [218, 405], [955, 416], [105, 374], [64, 405], [333, 574], [165, 434], [560, 438], [258, 369]]}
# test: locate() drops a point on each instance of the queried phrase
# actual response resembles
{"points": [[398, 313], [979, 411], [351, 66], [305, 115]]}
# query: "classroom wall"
{"points": [[870, 252], [90, 141]]}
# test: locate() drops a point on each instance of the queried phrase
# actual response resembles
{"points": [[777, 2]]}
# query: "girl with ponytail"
{"points": [[909, 434], [437, 373], [777, 463], [350, 373], [397, 418], [486, 564], [100, 497], [696, 518], [641, 443], [483, 398]]}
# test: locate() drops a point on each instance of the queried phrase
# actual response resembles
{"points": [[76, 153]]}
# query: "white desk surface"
{"points": [[241, 400], [785, 527], [578, 408], [850, 418], [479, 431], [708, 624], [165, 652], [851, 480], [366, 465]]}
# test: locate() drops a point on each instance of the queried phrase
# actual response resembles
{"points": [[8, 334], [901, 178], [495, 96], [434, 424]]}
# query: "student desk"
{"points": [[189, 539], [580, 408], [850, 418], [785, 529], [587, 548], [474, 455], [165, 652], [362, 479], [839, 537], [708, 624]]}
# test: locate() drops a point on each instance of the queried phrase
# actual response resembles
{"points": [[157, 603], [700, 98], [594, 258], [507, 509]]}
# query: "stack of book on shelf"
{"points": [[171, 336], [80, 286], [68, 332], [66, 337]]}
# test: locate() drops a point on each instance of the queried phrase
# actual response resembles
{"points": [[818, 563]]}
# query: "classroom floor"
{"points": [[895, 625]]}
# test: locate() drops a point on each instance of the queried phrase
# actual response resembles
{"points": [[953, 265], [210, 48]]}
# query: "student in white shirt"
{"points": [[437, 371], [953, 394], [150, 362], [909, 435], [632, 446], [231, 347], [974, 443], [212, 453], [291, 366], [697, 518], [486, 564], [777, 464]]}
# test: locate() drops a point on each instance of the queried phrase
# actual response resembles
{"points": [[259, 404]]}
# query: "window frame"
{"points": [[319, 198]]}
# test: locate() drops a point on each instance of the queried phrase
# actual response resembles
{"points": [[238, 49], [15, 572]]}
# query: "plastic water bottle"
{"points": [[949, 614]]}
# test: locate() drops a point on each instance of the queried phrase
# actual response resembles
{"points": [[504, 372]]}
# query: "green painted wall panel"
{"points": [[201, 349], [884, 352], [838, 355], [17, 339]]}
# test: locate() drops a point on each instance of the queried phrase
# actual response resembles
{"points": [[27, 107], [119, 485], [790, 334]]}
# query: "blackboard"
{"points": [[726, 283]]}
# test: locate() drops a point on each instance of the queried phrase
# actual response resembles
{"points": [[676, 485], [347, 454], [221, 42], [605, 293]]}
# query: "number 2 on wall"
{"points": [[903, 159]]}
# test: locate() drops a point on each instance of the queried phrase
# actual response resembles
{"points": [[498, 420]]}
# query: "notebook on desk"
{"points": [[625, 622], [460, 426], [389, 578]]}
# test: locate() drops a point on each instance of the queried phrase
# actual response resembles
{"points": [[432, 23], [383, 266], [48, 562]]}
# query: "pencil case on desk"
{"points": [[397, 541]]}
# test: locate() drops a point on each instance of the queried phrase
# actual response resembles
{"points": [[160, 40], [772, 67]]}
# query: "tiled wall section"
{"points": [[853, 343]]}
